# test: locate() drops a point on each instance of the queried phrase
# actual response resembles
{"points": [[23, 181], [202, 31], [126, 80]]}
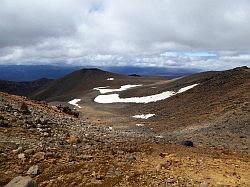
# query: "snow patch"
{"points": [[159, 136], [101, 87], [110, 79], [143, 116], [104, 90], [139, 125], [74, 102], [114, 98]]}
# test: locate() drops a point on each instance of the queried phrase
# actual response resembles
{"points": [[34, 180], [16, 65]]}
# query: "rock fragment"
{"points": [[86, 157], [73, 139], [18, 150], [33, 170], [21, 156], [39, 156], [131, 158], [164, 165]]}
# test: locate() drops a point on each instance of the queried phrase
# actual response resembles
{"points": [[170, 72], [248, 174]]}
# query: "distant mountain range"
{"points": [[169, 73], [34, 72]]}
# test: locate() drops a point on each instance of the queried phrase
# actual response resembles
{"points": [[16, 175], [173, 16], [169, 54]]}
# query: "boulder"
{"points": [[22, 182], [204, 184], [29, 151], [187, 143], [4, 123], [23, 107], [68, 110]]}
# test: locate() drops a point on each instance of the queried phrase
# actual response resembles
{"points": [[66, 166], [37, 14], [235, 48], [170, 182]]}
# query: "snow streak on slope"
{"points": [[186, 88], [104, 90], [114, 98], [143, 116], [74, 102]]}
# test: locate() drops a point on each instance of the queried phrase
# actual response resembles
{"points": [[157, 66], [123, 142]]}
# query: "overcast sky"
{"points": [[206, 34]]}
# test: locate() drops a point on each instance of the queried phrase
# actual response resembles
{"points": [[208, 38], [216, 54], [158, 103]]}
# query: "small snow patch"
{"points": [[74, 102], [101, 87], [110, 79], [104, 90], [159, 136], [139, 125], [143, 116]]}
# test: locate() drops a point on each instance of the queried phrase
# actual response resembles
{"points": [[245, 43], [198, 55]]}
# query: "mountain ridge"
{"points": [[22, 88]]}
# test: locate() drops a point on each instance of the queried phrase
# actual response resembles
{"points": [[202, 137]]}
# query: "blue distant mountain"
{"points": [[34, 72], [152, 71]]}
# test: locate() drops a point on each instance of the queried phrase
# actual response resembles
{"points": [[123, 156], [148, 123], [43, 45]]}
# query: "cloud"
{"points": [[198, 33], [237, 58]]}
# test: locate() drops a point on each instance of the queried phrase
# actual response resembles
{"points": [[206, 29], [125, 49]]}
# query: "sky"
{"points": [[203, 34]]}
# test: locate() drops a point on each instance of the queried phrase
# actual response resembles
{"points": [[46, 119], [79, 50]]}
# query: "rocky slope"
{"points": [[57, 149], [216, 112]]}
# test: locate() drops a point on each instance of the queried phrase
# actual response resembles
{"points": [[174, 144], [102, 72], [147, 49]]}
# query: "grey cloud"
{"points": [[125, 32], [25, 22]]}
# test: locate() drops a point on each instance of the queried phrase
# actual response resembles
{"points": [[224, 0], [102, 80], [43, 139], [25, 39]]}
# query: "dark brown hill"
{"points": [[71, 84], [79, 83], [22, 88]]}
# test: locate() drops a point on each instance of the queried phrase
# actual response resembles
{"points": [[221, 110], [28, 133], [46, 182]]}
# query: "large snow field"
{"points": [[114, 98]]}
